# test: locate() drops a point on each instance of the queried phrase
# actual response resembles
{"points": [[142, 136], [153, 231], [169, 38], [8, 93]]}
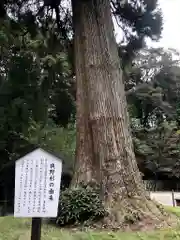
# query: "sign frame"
{"points": [[32, 172]]}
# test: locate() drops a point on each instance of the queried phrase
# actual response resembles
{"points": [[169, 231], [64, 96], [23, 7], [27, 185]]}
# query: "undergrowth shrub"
{"points": [[80, 205]]}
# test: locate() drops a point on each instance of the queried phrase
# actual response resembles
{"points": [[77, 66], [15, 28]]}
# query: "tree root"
{"points": [[137, 214]]}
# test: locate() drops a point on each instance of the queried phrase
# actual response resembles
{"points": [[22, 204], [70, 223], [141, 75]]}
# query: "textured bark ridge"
{"points": [[104, 144]]}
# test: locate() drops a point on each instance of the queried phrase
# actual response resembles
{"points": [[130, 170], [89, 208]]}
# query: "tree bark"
{"points": [[104, 144], [83, 171]]}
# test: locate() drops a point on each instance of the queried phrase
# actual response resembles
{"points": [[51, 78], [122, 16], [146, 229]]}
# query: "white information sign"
{"points": [[37, 185]]}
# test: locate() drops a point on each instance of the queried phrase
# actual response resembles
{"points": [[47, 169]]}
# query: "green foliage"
{"points": [[35, 85], [54, 138], [137, 20], [153, 95], [80, 205], [152, 86], [34, 76], [160, 148]]}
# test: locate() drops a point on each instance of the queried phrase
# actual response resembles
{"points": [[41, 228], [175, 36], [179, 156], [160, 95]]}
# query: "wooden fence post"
{"points": [[173, 200]]}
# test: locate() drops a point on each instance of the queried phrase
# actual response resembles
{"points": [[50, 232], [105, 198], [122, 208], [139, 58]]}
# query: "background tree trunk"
{"points": [[104, 144]]}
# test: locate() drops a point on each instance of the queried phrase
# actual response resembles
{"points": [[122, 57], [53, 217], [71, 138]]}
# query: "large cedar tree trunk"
{"points": [[104, 144]]}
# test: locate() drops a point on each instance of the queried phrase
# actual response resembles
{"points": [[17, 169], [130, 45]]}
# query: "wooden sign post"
{"points": [[37, 187], [36, 229]]}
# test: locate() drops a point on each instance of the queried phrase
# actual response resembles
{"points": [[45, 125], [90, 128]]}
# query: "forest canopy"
{"points": [[38, 36]]}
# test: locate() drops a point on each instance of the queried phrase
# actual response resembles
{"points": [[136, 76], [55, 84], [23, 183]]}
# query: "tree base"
{"points": [[137, 214]]}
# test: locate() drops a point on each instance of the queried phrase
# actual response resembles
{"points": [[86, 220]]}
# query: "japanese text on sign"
{"points": [[37, 185]]}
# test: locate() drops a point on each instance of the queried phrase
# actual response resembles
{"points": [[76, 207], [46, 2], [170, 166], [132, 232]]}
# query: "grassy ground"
{"points": [[19, 229]]}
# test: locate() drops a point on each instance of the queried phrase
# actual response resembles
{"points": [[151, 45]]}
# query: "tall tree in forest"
{"points": [[104, 144], [136, 19]]}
